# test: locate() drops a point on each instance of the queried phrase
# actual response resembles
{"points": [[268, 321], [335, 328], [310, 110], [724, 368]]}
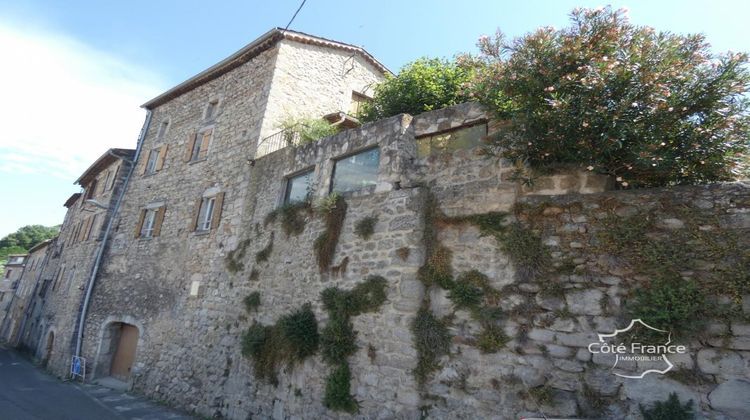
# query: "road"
{"points": [[27, 393]]}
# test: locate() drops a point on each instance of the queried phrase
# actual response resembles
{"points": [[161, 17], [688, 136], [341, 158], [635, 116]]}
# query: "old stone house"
{"points": [[213, 241], [58, 281], [13, 268], [22, 293]]}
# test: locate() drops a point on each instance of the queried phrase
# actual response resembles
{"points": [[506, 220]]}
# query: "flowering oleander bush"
{"points": [[649, 108]]}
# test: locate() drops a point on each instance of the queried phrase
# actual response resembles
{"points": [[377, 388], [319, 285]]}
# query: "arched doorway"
{"points": [[49, 346], [125, 341]]}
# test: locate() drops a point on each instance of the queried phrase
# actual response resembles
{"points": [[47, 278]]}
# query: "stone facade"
{"points": [[12, 322], [183, 287], [11, 275], [59, 282]]}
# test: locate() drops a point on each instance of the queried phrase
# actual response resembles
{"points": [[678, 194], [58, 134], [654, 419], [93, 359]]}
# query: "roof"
{"points": [[40, 245], [100, 164], [252, 50], [72, 199]]}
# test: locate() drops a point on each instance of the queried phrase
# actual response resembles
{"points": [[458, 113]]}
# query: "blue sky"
{"points": [[74, 73]]}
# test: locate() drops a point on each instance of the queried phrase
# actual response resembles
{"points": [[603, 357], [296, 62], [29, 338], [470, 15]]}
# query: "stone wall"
{"points": [[60, 287], [184, 291]]}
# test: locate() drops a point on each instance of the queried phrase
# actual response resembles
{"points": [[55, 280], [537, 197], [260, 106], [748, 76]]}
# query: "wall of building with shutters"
{"points": [[70, 259]]}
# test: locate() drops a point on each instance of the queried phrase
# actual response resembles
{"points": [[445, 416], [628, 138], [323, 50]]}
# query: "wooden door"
{"points": [[124, 356]]}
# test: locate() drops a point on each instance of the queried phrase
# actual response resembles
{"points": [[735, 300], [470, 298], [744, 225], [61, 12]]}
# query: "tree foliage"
{"points": [[423, 85], [650, 108], [24, 238]]}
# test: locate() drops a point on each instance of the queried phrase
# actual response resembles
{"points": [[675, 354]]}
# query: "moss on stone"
{"points": [[333, 211], [365, 227]]}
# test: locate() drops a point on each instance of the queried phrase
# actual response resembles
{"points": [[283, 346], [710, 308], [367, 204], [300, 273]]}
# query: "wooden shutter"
{"points": [[218, 204], [145, 162], [159, 219], [204, 144], [139, 225], [89, 225], [162, 156], [194, 219], [190, 144], [114, 177]]}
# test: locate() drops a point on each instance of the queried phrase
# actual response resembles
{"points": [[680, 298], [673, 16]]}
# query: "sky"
{"points": [[73, 74]]}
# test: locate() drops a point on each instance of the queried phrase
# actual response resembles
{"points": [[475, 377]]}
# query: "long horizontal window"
{"points": [[448, 142], [357, 171]]}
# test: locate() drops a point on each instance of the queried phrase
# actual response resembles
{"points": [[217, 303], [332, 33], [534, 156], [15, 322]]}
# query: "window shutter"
{"points": [[162, 156], [145, 162], [190, 145], [194, 218], [114, 178], [159, 219], [218, 204], [89, 225], [139, 225], [204, 144]]}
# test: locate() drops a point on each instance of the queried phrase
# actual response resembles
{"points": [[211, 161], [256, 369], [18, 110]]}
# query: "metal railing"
{"points": [[277, 141]]}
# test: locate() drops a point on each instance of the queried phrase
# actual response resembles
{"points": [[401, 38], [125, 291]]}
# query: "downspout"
{"points": [[110, 223]]}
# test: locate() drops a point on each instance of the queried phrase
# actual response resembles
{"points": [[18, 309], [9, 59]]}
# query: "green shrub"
{"points": [[293, 338], [252, 301], [526, 251], [491, 339], [423, 85], [671, 304], [338, 337], [338, 390], [465, 295], [292, 217], [431, 340], [650, 108], [338, 340], [309, 129], [365, 227], [333, 210], [670, 409]]}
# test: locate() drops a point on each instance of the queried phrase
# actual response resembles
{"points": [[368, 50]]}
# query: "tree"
{"points": [[423, 85], [649, 108], [24, 238]]}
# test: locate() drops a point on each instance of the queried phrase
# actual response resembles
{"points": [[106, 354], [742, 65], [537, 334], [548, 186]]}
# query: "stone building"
{"points": [[492, 290], [13, 268], [11, 324], [51, 322]]}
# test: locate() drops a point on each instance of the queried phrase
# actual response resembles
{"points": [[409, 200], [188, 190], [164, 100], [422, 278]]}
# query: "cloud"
{"points": [[64, 103]]}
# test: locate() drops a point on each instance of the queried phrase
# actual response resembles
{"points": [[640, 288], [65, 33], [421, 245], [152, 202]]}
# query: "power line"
{"points": [[295, 15]]}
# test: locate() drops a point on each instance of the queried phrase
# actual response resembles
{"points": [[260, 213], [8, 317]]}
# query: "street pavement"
{"points": [[28, 393]]}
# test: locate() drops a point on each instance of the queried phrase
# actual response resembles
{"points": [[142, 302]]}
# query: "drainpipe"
{"points": [[110, 223]]}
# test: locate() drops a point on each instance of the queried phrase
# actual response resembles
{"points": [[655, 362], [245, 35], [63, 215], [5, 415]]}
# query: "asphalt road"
{"points": [[27, 393]]}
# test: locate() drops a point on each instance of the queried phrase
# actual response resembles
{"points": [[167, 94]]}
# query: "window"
{"points": [[91, 190], [113, 178], [448, 142], [106, 181], [358, 99], [92, 223], [162, 130], [148, 224], [7, 273], [198, 145], [299, 187], [150, 221], [207, 213], [357, 171], [211, 109], [155, 161]]}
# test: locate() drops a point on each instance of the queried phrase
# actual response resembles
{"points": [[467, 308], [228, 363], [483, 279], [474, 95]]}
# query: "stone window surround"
{"points": [[212, 192], [215, 104], [153, 206], [161, 134]]}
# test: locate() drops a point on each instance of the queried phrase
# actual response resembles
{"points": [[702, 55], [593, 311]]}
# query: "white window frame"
{"points": [[205, 214], [149, 222], [153, 159]]}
